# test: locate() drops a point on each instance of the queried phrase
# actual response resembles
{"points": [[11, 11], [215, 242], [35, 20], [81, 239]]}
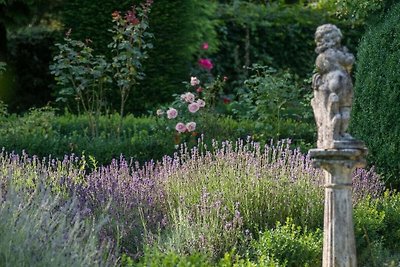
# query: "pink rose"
{"points": [[191, 126], [172, 113], [194, 81], [201, 103], [193, 107], [188, 97], [199, 90], [180, 127], [204, 46], [205, 63]]}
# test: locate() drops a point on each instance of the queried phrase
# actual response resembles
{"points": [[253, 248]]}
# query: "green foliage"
{"points": [[273, 34], [377, 96], [231, 259], [155, 258], [291, 244], [354, 10], [169, 62], [40, 229], [84, 77], [377, 230], [211, 205], [278, 103], [41, 132]]}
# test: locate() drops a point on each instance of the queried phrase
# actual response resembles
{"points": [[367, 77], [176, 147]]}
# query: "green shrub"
{"points": [[41, 132], [278, 103], [377, 96], [377, 230], [155, 258], [291, 244]]}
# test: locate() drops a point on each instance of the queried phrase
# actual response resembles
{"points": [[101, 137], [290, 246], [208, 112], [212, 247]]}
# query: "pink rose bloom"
{"points": [[204, 46], [201, 103], [188, 97], [193, 107], [191, 126], [172, 113], [199, 90], [205, 63], [180, 127], [194, 81]]}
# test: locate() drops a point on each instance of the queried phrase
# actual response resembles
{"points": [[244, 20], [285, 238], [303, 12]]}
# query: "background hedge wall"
{"points": [[376, 113]]}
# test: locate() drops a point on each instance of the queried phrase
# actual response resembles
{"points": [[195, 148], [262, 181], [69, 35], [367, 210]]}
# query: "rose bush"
{"points": [[184, 111]]}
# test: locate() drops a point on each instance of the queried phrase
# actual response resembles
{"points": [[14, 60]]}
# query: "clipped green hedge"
{"points": [[43, 133], [375, 117]]}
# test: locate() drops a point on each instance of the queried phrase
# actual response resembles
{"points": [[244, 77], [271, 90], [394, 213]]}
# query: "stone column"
{"points": [[339, 248]]}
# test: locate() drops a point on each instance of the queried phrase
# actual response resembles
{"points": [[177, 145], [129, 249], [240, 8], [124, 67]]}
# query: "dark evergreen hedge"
{"points": [[376, 112], [30, 53]]}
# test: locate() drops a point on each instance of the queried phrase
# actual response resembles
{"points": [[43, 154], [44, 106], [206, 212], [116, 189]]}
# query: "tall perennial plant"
{"points": [[85, 78]]}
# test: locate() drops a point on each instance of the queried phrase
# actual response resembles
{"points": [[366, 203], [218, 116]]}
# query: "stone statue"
{"points": [[333, 88], [338, 153]]}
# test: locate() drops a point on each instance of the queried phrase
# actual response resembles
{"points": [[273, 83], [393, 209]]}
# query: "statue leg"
{"points": [[345, 114]]}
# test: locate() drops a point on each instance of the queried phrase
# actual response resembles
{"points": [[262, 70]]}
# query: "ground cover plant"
{"points": [[221, 205]]}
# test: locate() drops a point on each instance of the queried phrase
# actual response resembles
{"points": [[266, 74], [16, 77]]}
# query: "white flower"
{"points": [[194, 81], [159, 112]]}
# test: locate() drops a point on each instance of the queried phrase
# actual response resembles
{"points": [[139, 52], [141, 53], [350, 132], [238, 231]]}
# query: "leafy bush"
{"points": [[377, 230], [155, 258], [377, 95], [85, 79], [278, 103], [291, 244]]}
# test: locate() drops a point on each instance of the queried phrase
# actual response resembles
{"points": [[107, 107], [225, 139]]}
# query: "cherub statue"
{"points": [[333, 88]]}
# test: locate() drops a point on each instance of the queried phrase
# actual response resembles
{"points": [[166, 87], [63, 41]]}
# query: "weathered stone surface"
{"points": [[339, 248], [338, 153], [333, 88]]}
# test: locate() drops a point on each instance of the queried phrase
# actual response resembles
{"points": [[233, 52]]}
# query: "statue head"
{"points": [[327, 36]]}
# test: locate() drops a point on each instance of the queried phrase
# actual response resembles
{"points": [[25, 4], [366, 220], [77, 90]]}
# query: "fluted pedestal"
{"points": [[339, 248]]}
